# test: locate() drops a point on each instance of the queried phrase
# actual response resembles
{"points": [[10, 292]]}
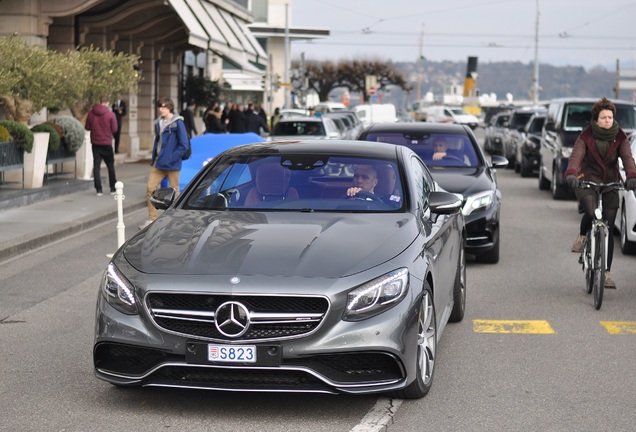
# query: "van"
{"points": [[376, 113], [448, 114], [565, 120], [327, 107]]}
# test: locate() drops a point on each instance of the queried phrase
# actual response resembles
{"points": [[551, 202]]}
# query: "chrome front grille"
{"points": [[236, 317]]}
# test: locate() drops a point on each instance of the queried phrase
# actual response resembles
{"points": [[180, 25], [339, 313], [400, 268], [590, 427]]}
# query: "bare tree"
{"points": [[353, 75]]}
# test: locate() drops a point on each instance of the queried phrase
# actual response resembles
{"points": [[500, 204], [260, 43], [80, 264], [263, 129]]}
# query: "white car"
{"points": [[626, 220]]}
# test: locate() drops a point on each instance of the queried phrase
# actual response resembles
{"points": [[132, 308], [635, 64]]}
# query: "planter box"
{"points": [[11, 160], [35, 162]]}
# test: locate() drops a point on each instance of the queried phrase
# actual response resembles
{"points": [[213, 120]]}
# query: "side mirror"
{"points": [[444, 202], [549, 126], [499, 161], [163, 198]]}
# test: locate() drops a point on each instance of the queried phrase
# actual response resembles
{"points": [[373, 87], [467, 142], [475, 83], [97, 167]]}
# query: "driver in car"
{"points": [[365, 178], [440, 147]]}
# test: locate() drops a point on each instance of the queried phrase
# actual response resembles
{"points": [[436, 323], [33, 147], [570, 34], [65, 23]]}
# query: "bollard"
{"points": [[121, 228]]}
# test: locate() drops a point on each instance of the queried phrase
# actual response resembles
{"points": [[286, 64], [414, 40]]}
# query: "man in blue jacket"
{"points": [[171, 142]]}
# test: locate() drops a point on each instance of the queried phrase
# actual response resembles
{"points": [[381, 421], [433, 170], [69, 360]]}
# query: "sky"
{"points": [[571, 32]]}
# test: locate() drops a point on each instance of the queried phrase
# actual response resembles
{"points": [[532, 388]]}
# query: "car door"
{"points": [[439, 231]]}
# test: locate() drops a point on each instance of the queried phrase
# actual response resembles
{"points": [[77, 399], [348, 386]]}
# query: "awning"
{"points": [[197, 36], [243, 82], [212, 27]]}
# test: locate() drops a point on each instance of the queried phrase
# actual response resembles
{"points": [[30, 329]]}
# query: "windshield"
{"points": [[435, 149], [295, 128], [317, 182]]}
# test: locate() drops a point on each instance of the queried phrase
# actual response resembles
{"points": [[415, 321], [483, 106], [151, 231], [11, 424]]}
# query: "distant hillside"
{"points": [[511, 77]]}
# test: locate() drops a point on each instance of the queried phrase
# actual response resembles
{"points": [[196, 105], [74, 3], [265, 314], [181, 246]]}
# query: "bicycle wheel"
{"points": [[599, 266], [586, 259]]}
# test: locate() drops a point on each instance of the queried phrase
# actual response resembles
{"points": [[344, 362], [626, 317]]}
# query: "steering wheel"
{"points": [[365, 196], [452, 157]]}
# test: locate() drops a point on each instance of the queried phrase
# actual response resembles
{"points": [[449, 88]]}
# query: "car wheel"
{"points": [[558, 192], [459, 290], [492, 256], [544, 184], [426, 352], [627, 247], [517, 166]]}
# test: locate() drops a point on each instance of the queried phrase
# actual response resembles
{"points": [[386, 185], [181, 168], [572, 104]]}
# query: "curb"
{"points": [[24, 244]]}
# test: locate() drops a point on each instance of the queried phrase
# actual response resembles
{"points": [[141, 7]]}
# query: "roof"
{"points": [[406, 127], [333, 147]]}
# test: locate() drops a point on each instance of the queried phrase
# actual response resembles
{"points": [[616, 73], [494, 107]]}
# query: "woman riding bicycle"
{"points": [[595, 158]]}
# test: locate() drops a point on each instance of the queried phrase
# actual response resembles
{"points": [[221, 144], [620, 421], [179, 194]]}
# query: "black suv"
{"points": [[565, 120]]}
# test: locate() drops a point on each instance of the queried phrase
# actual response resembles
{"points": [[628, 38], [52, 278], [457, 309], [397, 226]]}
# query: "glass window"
{"points": [[316, 182], [423, 182], [453, 149], [577, 116]]}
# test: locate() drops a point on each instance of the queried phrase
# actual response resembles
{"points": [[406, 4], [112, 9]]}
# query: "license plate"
{"points": [[232, 353]]}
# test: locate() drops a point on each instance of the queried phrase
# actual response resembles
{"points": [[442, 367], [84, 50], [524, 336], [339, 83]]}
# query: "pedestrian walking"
{"points": [[171, 142], [102, 124]]}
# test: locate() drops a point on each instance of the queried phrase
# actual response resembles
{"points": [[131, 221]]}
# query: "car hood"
{"points": [[466, 181], [269, 244]]}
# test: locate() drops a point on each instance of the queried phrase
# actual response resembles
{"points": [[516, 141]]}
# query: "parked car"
{"points": [[565, 120], [626, 222], [349, 129], [263, 275], [464, 171], [494, 133], [514, 133], [295, 128], [448, 114], [528, 154]]}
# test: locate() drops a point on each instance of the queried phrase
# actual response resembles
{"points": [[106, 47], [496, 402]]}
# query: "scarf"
{"points": [[604, 137]]}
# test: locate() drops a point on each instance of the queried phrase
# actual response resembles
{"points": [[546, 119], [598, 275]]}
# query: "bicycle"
{"points": [[594, 255]]}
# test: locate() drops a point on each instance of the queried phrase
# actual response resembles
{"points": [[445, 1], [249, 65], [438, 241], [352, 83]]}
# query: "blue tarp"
{"points": [[207, 146]]}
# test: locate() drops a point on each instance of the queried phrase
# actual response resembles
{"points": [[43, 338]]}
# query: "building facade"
{"points": [[173, 38]]}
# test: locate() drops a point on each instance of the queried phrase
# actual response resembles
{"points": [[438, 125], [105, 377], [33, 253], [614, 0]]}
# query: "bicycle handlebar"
{"points": [[584, 184]]}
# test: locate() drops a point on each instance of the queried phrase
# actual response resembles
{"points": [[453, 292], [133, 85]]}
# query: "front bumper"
{"points": [[367, 356], [482, 231]]}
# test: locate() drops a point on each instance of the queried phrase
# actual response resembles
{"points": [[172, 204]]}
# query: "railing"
{"points": [[11, 158], [57, 159]]}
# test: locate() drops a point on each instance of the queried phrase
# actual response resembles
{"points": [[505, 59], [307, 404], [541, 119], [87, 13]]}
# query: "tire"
{"points": [[589, 273], [517, 166], [558, 192], [492, 256], [544, 184], [459, 290], [599, 268], [426, 352], [627, 247]]}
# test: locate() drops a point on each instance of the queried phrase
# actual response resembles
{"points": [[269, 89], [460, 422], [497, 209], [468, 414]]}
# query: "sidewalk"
{"points": [[30, 219]]}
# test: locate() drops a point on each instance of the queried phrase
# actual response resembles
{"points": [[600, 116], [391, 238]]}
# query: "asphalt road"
{"points": [[574, 375]]}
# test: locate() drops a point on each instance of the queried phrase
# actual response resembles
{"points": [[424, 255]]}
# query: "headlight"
{"points": [[118, 291], [478, 202], [566, 152], [376, 296]]}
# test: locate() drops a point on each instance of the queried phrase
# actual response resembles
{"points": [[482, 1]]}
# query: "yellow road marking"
{"points": [[619, 327], [513, 326]]}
